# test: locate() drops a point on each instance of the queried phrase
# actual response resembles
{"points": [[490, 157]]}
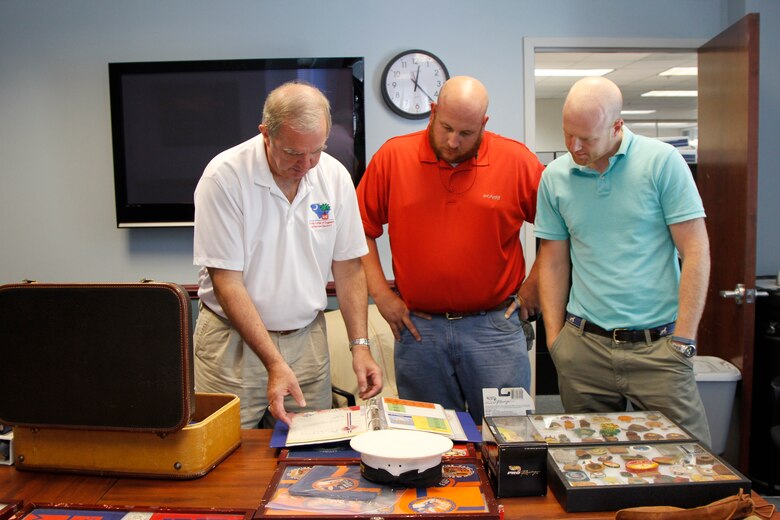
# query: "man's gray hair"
{"points": [[299, 105]]}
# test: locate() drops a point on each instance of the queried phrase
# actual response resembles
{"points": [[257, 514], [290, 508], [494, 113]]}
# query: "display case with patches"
{"points": [[609, 427], [610, 477]]}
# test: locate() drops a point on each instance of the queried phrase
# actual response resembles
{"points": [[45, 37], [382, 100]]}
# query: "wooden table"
{"points": [[238, 482]]}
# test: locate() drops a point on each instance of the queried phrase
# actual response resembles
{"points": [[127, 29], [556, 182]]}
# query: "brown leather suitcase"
{"points": [[98, 378], [109, 356]]}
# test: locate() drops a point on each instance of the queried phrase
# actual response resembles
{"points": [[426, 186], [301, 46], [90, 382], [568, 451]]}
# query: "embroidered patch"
{"points": [[322, 210]]}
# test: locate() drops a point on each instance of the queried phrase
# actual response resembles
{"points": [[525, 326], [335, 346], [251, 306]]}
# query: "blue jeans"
{"points": [[456, 359]]}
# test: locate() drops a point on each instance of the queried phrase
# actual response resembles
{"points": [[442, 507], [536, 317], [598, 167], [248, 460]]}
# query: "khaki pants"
{"points": [[596, 374], [225, 364]]}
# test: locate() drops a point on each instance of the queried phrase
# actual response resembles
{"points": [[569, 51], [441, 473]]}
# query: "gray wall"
{"points": [[56, 187]]}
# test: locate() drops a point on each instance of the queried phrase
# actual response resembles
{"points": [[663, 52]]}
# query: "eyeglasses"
{"points": [[294, 153], [297, 154]]}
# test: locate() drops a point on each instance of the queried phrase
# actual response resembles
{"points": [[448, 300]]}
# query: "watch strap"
{"points": [[359, 341], [685, 341]]}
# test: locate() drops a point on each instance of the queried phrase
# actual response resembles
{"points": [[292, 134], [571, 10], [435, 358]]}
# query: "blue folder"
{"points": [[279, 435]]}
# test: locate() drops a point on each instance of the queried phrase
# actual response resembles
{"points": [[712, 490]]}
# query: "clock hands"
{"points": [[417, 85]]}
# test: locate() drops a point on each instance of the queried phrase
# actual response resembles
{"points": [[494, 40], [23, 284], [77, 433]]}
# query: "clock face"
{"points": [[411, 82]]}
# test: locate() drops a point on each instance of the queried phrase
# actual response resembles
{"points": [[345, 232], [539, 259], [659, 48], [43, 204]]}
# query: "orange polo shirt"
{"points": [[454, 231]]}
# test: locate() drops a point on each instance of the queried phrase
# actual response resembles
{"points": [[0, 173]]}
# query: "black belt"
{"points": [[458, 315], [622, 335]]}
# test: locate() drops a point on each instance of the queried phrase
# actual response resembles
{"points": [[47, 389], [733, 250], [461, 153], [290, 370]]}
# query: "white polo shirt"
{"points": [[243, 222]]}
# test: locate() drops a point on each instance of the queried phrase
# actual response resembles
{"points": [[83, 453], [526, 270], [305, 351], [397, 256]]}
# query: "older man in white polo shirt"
{"points": [[273, 217]]}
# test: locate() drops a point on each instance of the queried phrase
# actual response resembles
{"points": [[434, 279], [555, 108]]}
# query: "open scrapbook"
{"points": [[339, 424]]}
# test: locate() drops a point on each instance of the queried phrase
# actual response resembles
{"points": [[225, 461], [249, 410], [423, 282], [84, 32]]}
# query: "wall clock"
{"points": [[411, 81]]}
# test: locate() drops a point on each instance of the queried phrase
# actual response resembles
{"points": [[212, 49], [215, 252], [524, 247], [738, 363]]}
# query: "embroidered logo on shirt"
{"points": [[491, 196], [322, 210]]}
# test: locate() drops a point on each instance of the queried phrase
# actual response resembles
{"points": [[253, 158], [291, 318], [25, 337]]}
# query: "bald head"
{"points": [[467, 95], [596, 99], [458, 119]]}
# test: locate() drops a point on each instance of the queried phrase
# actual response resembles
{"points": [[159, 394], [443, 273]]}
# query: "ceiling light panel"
{"points": [[680, 71], [671, 93]]}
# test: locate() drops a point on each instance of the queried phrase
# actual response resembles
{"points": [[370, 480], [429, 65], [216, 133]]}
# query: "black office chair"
{"points": [[350, 397]]}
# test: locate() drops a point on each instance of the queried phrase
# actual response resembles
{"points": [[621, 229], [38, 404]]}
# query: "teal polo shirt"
{"points": [[625, 269]]}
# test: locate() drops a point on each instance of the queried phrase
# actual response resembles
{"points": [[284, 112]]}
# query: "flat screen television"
{"points": [[169, 119]]}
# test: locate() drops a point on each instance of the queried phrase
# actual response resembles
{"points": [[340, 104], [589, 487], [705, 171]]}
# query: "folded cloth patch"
{"points": [[729, 508]]}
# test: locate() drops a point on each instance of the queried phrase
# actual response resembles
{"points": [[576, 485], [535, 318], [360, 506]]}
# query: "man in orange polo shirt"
{"points": [[454, 198]]}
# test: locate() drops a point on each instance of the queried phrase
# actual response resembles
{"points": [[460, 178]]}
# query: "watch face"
{"points": [[684, 349], [411, 82]]}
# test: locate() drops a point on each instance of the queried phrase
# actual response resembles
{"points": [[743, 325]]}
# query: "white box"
{"points": [[506, 402], [717, 382]]}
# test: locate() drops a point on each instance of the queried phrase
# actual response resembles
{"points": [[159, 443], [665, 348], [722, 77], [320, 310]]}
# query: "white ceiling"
{"points": [[635, 73]]}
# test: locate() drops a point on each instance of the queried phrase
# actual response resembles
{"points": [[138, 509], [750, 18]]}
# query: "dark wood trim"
{"points": [[330, 289]]}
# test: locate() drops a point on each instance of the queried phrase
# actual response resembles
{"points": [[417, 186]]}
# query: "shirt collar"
{"points": [[262, 175]]}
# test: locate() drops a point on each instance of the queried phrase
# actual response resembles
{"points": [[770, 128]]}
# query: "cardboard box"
{"points": [[515, 462], [612, 477]]}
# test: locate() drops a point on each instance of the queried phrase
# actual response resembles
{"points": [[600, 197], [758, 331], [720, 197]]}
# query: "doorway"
{"points": [[672, 118], [727, 167], [543, 116]]}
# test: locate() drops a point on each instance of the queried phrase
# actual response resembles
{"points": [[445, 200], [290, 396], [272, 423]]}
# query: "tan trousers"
{"points": [[225, 364], [596, 374]]}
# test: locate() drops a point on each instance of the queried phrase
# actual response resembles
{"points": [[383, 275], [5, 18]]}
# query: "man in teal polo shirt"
{"points": [[620, 308]]}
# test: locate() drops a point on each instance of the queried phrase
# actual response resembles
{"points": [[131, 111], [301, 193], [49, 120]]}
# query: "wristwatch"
{"points": [[685, 346], [359, 341]]}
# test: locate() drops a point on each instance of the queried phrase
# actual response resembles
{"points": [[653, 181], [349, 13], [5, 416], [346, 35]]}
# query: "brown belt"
{"points": [[283, 332], [459, 315]]}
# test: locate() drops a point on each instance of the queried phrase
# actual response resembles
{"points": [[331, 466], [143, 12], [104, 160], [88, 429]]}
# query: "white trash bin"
{"points": [[717, 382]]}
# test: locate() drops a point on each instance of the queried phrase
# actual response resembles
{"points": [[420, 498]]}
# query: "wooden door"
{"points": [[727, 179]]}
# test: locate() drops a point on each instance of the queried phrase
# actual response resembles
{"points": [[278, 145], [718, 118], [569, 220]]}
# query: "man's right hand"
{"points": [[396, 314], [282, 382]]}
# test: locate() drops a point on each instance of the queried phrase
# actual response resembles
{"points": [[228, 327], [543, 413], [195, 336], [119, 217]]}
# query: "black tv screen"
{"points": [[169, 119]]}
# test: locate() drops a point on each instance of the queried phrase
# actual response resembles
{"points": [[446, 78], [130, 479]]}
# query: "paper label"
{"points": [[506, 401]]}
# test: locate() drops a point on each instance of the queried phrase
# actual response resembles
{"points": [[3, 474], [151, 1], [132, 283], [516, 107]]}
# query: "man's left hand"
{"points": [[369, 375], [526, 302]]}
